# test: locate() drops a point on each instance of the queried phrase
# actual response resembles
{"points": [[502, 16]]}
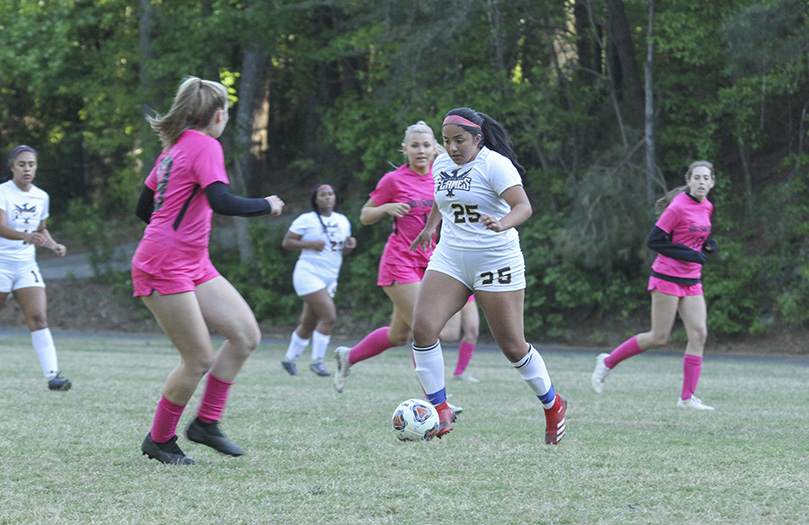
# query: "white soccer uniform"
{"points": [[462, 194], [24, 212], [316, 270]]}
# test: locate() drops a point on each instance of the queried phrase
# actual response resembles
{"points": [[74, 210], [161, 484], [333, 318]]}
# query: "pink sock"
{"points": [[625, 350], [214, 399], [165, 421], [374, 344], [692, 366], [465, 351]]}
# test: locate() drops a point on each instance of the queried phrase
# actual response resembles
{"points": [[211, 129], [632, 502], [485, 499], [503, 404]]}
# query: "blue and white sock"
{"points": [[430, 370], [533, 371]]}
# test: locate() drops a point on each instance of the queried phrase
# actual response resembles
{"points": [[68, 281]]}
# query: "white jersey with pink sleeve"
{"points": [[688, 222], [182, 214]]}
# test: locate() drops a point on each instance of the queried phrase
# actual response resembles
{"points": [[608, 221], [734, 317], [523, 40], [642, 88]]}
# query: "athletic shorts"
{"points": [[166, 272], [670, 288], [19, 274], [500, 270], [391, 273], [306, 281]]}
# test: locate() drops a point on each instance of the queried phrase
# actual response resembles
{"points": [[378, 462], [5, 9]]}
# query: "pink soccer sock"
{"points": [[625, 350], [214, 399], [692, 366], [374, 344], [465, 351], [165, 421]]}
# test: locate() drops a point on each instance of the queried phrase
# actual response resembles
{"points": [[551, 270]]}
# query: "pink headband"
{"points": [[324, 186], [460, 121]]}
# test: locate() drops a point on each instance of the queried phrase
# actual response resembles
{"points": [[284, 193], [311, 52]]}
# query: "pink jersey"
{"points": [[407, 186], [688, 222], [182, 214]]}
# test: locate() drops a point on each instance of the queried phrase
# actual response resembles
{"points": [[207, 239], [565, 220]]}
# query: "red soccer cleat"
{"points": [[555, 421], [445, 417]]}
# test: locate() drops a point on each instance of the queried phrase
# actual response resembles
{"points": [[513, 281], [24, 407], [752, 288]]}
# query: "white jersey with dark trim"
{"points": [[464, 192], [24, 211], [333, 230]]}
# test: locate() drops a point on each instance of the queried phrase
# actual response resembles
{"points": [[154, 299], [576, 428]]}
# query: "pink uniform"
{"points": [[398, 263], [173, 255], [688, 222]]}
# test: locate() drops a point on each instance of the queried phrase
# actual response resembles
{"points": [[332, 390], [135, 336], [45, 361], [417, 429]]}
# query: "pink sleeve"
{"points": [[209, 165], [669, 219], [384, 191]]}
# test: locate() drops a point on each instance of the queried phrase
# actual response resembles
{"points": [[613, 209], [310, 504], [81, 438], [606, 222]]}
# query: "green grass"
{"points": [[315, 456]]}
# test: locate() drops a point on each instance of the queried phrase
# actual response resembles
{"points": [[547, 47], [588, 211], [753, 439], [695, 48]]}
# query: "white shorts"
{"points": [[19, 274], [306, 281], [500, 270]]}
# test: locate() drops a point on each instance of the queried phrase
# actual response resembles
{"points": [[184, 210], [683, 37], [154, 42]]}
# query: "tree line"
{"points": [[606, 101]]}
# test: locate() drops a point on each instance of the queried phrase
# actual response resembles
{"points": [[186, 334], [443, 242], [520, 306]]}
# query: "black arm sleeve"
{"points": [[225, 203], [145, 205], [660, 241]]}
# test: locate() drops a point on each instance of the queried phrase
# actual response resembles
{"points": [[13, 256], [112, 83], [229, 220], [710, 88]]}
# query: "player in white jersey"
{"points": [[479, 200], [24, 210], [323, 236]]}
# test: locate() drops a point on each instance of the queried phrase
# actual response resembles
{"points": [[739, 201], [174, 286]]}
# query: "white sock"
{"points": [[430, 367], [319, 344], [46, 352], [533, 371], [296, 347]]}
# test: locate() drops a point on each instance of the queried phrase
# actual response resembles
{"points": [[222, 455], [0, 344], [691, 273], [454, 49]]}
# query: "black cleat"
{"points": [[290, 367], [318, 368], [168, 452], [60, 383], [209, 434]]}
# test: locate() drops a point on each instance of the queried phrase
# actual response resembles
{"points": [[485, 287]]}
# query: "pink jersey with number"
{"points": [[688, 222], [177, 235], [406, 186]]}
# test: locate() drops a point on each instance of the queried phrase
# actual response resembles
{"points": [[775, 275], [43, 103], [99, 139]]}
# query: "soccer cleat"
{"points": [[209, 434], [168, 452], [693, 402], [555, 421], [318, 368], [58, 382], [600, 374], [290, 367], [343, 367], [455, 410], [445, 418], [466, 377]]}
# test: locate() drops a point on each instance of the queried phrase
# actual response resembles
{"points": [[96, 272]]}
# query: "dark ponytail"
{"points": [[495, 136]]}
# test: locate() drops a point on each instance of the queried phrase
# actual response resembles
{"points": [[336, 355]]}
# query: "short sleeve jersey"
{"points": [[24, 211], [334, 230], [407, 186], [688, 222], [182, 215], [464, 192]]}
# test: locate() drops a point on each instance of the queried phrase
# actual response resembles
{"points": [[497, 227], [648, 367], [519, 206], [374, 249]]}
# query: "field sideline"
{"points": [[315, 456]]}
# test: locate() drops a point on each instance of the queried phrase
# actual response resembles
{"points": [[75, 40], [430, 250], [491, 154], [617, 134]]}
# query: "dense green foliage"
{"points": [[345, 77]]}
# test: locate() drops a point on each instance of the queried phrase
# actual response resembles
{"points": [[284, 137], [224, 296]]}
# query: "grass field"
{"points": [[315, 456]]}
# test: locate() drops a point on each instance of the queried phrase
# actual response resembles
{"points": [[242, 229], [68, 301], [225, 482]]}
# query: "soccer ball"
{"points": [[415, 420]]}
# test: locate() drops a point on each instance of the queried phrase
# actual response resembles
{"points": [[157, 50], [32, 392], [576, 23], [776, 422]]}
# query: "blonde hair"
{"points": [[194, 106], [662, 203], [422, 127]]}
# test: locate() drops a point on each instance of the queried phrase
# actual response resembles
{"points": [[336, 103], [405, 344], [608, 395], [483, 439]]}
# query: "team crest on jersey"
{"points": [[454, 180], [25, 212]]}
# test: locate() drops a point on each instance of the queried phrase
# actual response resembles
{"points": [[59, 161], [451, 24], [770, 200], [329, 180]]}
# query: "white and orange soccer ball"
{"points": [[415, 420]]}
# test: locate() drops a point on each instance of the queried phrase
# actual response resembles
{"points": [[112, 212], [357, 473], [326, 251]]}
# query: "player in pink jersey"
{"points": [[173, 274], [406, 194], [680, 237], [467, 318]]}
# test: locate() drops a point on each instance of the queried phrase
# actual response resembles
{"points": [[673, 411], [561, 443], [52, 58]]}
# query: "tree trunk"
{"points": [[649, 112], [622, 42]]}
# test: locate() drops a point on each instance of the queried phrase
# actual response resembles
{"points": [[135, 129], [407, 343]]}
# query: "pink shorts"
{"points": [[168, 272], [390, 273], [677, 290]]}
